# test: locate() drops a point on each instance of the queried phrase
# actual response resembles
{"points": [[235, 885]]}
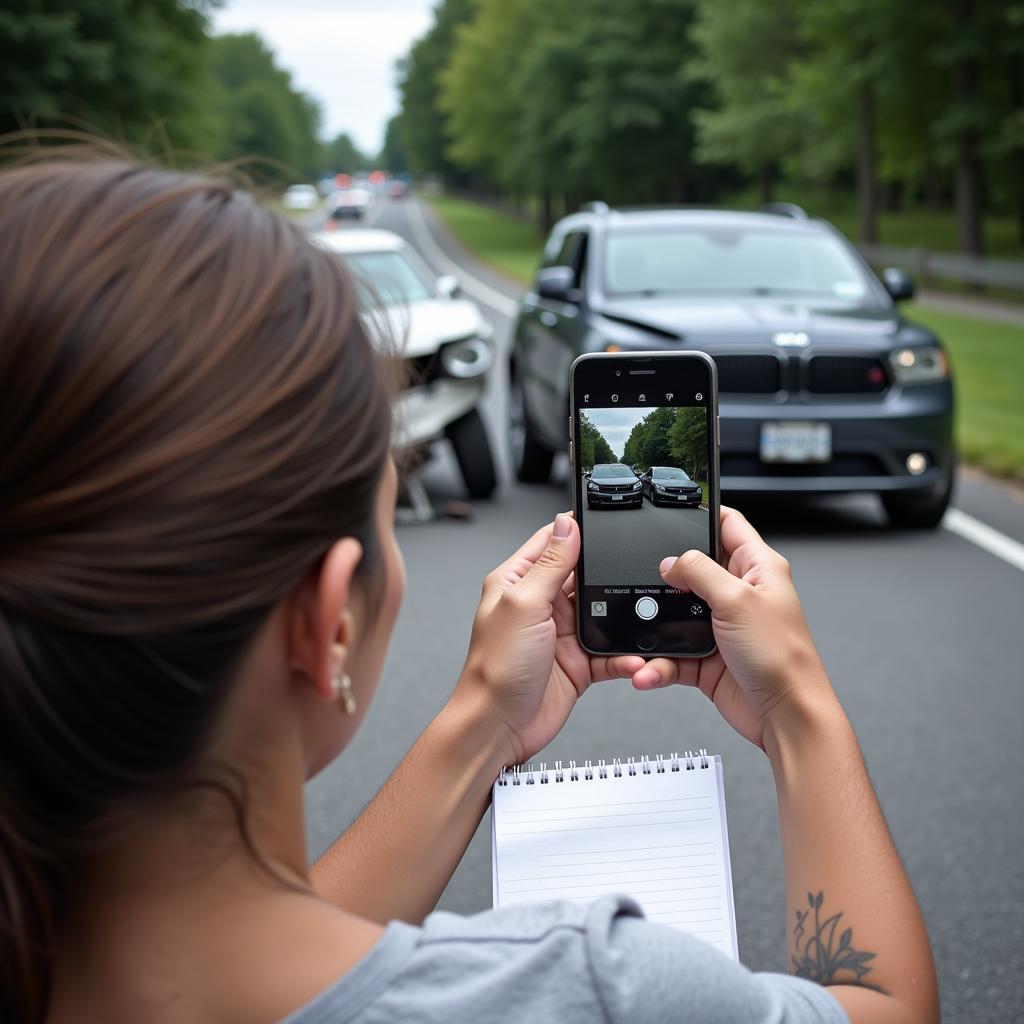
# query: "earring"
{"points": [[341, 684]]}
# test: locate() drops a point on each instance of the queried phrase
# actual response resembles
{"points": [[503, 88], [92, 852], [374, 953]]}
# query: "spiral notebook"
{"points": [[651, 827]]}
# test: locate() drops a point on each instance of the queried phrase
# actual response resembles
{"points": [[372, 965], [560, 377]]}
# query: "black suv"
{"points": [[613, 485], [824, 385]]}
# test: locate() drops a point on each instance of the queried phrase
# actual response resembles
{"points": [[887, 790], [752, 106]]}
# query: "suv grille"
{"points": [[749, 375], [846, 375]]}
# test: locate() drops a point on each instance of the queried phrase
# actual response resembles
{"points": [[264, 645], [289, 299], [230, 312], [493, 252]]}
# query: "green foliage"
{"points": [[421, 124], [133, 70], [342, 155], [392, 155], [594, 448], [262, 114], [670, 437]]}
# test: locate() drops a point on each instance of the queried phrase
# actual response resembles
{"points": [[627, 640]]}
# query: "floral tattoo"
{"points": [[819, 956]]}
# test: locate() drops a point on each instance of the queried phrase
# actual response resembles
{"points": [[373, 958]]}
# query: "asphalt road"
{"points": [[625, 546], [922, 633]]}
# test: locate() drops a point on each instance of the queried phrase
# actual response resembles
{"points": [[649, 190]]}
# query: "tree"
{"points": [[341, 154], [422, 127], [392, 155], [744, 49], [688, 441], [594, 447], [263, 115], [134, 70]]}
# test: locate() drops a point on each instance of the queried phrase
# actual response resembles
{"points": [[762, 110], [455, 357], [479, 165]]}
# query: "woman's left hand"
{"points": [[525, 663]]}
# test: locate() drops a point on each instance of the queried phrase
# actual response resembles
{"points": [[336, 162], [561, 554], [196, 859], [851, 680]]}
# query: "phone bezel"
{"points": [[623, 360]]}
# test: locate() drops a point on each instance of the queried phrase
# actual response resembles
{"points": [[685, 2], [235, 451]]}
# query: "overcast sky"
{"points": [[616, 425], [343, 52]]}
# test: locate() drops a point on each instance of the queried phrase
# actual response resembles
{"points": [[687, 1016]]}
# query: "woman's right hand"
{"points": [[766, 663]]}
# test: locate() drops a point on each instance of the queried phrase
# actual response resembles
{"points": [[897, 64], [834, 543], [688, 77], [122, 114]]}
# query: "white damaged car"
{"points": [[445, 342]]}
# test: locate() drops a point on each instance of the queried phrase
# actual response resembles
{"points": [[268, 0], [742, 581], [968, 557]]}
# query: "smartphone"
{"points": [[644, 456]]}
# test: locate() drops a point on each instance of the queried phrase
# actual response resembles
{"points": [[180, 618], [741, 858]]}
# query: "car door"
{"points": [[556, 329]]}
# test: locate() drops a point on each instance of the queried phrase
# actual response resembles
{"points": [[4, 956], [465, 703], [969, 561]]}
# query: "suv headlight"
{"points": [[637, 486], [468, 358], [591, 486], [919, 364]]}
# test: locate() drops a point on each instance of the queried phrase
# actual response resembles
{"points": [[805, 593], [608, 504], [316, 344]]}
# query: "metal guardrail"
{"points": [[945, 266]]}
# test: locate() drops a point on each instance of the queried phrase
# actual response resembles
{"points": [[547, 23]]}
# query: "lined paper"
{"points": [[659, 837]]}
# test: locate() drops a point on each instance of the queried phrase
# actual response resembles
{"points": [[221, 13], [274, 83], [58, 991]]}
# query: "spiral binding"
{"points": [[528, 775]]}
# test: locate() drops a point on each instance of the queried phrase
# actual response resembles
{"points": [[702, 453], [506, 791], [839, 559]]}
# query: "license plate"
{"points": [[796, 442], [616, 497]]}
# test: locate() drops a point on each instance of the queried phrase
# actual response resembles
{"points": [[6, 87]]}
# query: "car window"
{"points": [[750, 261], [610, 471], [573, 253], [388, 278], [668, 473]]}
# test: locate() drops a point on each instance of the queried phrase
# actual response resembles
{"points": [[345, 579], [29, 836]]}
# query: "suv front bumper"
{"points": [[871, 440]]}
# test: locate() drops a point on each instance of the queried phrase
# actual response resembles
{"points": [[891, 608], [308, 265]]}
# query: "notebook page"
{"points": [[659, 837]]}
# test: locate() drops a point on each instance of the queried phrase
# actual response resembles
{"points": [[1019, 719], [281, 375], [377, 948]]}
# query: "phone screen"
{"points": [[645, 462]]}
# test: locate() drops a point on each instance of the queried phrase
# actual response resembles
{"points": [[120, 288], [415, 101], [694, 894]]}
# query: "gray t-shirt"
{"points": [[567, 963]]}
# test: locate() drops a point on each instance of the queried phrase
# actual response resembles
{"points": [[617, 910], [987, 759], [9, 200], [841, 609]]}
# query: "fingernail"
{"points": [[563, 526], [666, 564]]}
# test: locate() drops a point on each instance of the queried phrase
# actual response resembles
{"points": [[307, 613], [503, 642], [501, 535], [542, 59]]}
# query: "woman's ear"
{"points": [[321, 625]]}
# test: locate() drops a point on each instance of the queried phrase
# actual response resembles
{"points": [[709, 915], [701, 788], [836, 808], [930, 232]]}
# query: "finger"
{"points": [[622, 666], [659, 672], [544, 581], [693, 570]]}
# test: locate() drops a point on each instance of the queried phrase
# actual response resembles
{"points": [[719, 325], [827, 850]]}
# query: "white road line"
{"points": [[470, 284], [984, 536]]}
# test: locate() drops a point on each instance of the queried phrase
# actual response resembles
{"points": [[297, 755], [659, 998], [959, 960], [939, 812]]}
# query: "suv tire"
{"points": [[531, 459], [919, 512], [468, 436]]}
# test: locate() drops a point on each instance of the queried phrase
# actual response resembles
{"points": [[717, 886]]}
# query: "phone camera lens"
{"points": [[618, 373]]}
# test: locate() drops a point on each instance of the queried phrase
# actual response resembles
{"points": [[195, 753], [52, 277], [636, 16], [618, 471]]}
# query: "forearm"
{"points": [[852, 918], [397, 857]]}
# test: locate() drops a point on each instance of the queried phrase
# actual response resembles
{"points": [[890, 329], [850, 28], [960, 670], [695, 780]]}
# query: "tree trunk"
{"points": [[867, 190], [1017, 156], [766, 182], [547, 214], [967, 184], [933, 185]]}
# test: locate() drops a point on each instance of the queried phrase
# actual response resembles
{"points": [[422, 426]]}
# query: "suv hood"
{"points": [[419, 328], [756, 319], [615, 481]]}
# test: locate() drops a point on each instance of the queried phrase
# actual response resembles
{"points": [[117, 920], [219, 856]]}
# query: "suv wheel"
{"points": [[532, 461], [919, 512], [473, 454]]}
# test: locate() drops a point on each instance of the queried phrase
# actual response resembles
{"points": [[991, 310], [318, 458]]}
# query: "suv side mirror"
{"points": [[898, 283], [555, 282], [586, 472]]}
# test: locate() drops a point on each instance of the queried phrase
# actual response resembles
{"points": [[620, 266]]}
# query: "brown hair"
{"points": [[191, 414]]}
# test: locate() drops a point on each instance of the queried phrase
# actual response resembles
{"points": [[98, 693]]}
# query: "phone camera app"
{"points": [[598, 608]]}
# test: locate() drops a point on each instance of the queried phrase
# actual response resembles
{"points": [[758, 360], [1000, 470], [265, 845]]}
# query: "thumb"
{"points": [[543, 582], [693, 570]]}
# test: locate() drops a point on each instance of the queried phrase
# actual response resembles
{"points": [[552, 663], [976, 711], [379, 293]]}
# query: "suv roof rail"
{"points": [[785, 210], [595, 206]]}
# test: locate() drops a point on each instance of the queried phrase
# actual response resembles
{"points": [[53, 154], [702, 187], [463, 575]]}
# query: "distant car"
{"points": [[300, 197], [825, 387], [348, 203], [397, 189], [666, 485], [613, 484], [446, 345]]}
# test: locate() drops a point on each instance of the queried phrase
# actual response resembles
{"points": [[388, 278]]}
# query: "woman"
{"points": [[198, 581]]}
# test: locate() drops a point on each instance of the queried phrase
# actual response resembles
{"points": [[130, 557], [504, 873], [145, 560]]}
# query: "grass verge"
{"points": [[988, 369], [509, 245], [987, 356]]}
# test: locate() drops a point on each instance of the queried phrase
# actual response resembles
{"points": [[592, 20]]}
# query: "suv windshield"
{"points": [[746, 260], [603, 472], [387, 277], [668, 474]]}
